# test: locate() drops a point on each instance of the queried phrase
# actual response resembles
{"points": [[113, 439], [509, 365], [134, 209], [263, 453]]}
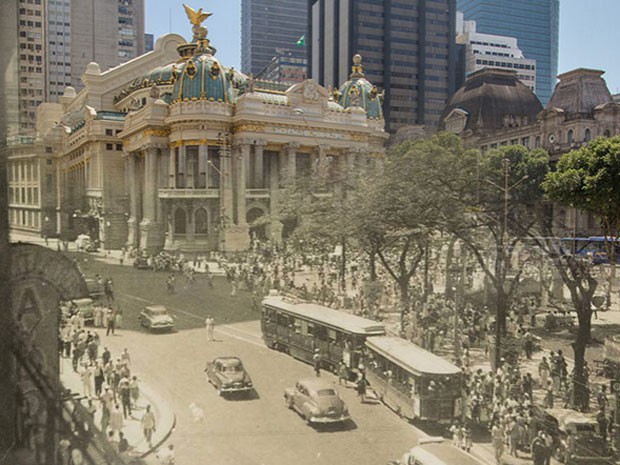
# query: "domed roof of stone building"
{"points": [[491, 99], [202, 77], [359, 92], [580, 91]]}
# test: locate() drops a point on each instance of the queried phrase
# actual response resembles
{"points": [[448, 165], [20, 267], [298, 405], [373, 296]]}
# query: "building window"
{"points": [[537, 142], [180, 225], [108, 132], [588, 135], [109, 146], [200, 221], [569, 137]]}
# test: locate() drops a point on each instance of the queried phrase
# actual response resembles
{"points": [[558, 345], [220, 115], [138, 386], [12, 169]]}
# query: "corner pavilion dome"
{"points": [[359, 92]]}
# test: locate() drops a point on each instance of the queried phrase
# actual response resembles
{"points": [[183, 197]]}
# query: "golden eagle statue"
{"points": [[196, 18]]}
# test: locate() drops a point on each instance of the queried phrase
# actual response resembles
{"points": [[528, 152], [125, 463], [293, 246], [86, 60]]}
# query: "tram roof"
{"points": [[410, 356], [328, 316]]}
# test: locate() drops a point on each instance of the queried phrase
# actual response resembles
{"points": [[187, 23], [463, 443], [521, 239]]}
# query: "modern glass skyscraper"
{"points": [[267, 25], [535, 24], [407, 47]]}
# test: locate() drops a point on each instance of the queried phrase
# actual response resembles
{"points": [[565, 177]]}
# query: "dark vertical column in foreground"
{"points": [[8, 36]]}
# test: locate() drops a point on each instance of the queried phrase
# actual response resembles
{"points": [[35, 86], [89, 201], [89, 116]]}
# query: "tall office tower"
{"points": [[32, 78], [58, 38], [9, 80], [407, 47], [149, 42], [267, 25], [535, 25], [109, 32], [493, 51]]}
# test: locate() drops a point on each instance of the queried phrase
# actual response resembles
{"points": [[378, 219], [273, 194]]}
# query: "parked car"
{"points": [[142, 263], [434, 450], [228, 375], [588, 444], [86, 306], [156, 317], [95, 288], [317, 401]]}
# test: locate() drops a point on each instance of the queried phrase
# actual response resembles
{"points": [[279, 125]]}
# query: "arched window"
{"points": [[537, 142], [201, 222], [607, 133], [588, 135], [569, 137], [180, 223]]}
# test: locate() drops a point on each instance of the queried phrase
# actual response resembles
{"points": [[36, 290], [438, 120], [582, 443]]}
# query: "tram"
{"points": [[299, 328], [413, 382]]}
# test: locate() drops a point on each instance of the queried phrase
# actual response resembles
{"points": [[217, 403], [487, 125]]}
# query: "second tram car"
{"points": [[298, 328], [415, 383]]}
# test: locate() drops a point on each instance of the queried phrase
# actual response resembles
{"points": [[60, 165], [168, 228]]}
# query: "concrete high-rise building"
{"points": [[57, 39], [408, 50], [149, 42], [267, 25], [109, 32], [288, 66], [493, 51], [535, 25]]}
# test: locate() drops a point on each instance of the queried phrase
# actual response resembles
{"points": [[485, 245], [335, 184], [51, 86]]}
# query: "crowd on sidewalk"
{"points": [[111, 391]]}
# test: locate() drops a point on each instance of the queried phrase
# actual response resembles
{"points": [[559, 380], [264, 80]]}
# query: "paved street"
{"points": [[259, 430]]}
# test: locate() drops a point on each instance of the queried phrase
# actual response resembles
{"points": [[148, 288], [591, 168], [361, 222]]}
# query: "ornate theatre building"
{"points": [[174, 150]]}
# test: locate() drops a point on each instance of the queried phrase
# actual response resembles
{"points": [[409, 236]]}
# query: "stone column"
{"points": [[151, 227], [274, 229], [149, 194], [182, 168], [132, 222], [259, 164], [203, 151], [291, 157], [244, 156], [172, 168]]}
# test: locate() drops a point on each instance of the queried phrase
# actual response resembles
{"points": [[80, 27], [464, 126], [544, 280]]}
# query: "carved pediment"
{"points": [[308, 92], [456, 120]]}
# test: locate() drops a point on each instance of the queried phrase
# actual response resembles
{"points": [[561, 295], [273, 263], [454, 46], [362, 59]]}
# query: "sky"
{"points": [[587, 31]]}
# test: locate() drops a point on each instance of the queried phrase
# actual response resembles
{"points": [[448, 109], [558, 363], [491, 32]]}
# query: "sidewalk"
{"points": [[164, 416]]}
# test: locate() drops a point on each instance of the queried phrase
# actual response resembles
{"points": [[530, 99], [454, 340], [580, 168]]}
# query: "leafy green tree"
{"points": [[587, 179], [501, 208]]}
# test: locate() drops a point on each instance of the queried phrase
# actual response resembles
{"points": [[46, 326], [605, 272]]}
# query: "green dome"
{"points": [[359, 92], [202, 77]]}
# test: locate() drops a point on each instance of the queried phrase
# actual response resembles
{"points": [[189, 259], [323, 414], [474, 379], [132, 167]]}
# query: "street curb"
{"points": [[166, 417]]}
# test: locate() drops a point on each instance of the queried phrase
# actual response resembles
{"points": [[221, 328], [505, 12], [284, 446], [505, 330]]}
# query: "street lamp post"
{"points": [[503, 259]]}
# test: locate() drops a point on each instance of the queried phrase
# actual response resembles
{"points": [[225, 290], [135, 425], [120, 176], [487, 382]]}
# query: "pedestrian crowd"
{"points": [[110, 389]]}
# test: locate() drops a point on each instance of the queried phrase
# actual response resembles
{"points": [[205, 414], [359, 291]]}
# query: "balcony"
{"points": [[257, 193]]}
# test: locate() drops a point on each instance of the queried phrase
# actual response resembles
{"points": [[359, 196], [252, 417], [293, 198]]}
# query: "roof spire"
{"points": [[357, 70]]}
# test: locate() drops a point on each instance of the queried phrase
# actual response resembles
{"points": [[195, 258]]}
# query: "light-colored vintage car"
{"points": [[228, 375], [317, 401], [156, 317]]}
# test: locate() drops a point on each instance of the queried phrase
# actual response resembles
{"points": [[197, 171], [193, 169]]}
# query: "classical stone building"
{"points": [[493, 108], [174, 150]]}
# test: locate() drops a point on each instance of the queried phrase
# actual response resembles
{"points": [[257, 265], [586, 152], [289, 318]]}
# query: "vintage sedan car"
{"points": [[228, 375], [317, 401], [156, 317]]}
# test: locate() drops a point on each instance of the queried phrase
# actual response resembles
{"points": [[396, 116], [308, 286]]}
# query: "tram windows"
{"points": [[320, 332], [297, 323], [284, 321], [333, 336]]}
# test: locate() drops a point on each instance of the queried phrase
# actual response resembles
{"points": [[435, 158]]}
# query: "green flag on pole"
{"points": [[301, 41]]}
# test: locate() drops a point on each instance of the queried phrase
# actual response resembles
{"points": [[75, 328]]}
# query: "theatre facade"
{"points": [[175, 151]]}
